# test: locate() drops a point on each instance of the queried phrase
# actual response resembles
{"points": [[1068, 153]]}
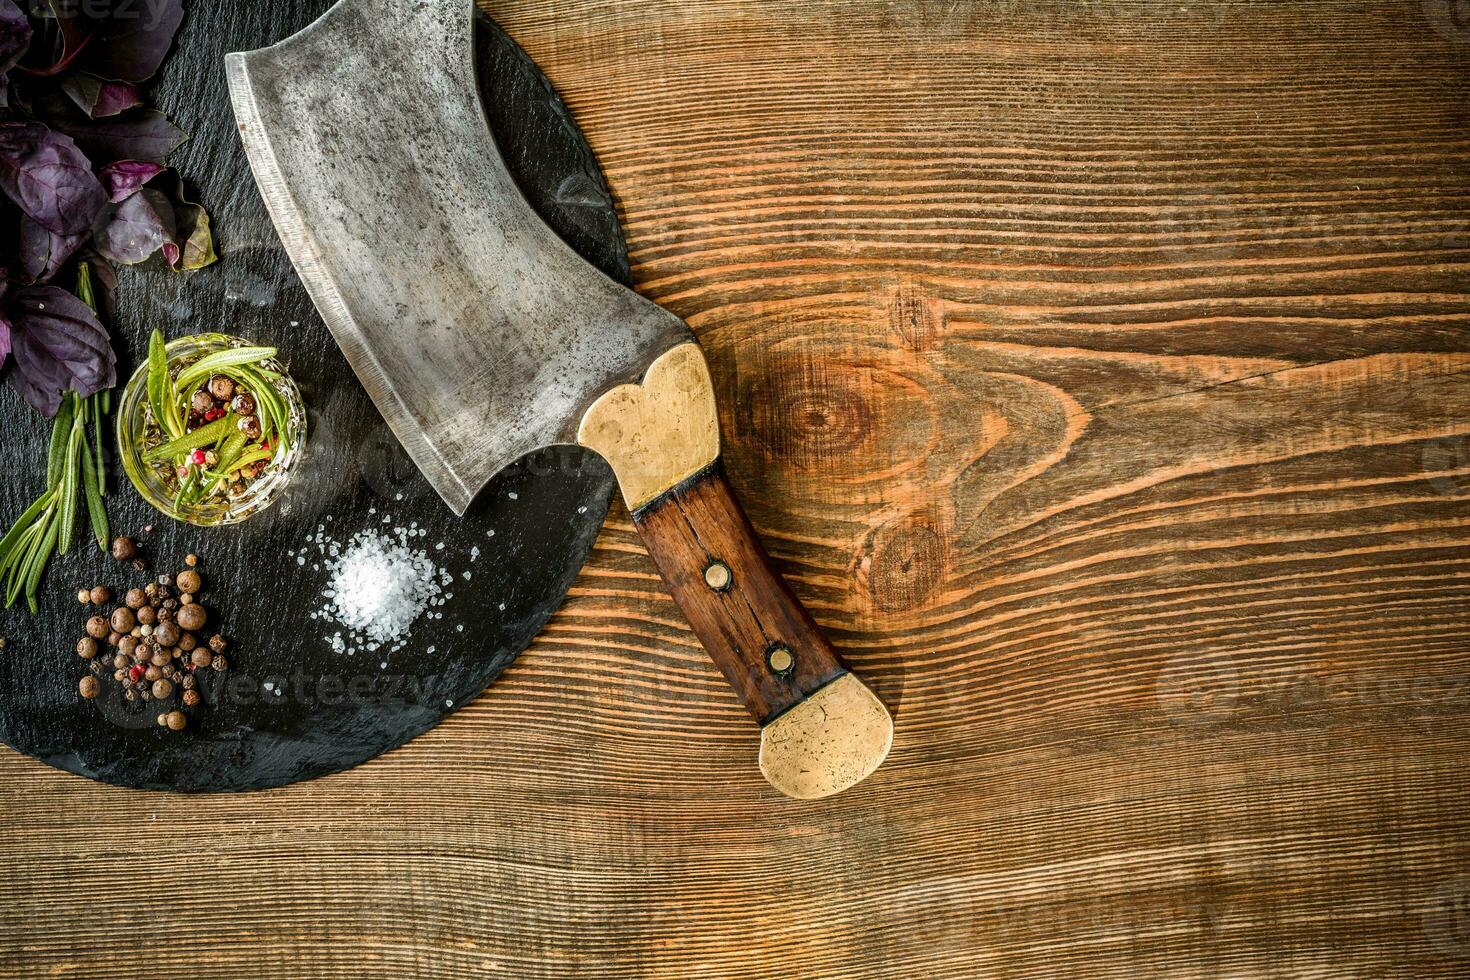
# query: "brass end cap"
{"points": [[830, 742]]}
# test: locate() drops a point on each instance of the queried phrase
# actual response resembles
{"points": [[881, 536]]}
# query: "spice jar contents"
{"points": [[216, 425], [158, 644]]}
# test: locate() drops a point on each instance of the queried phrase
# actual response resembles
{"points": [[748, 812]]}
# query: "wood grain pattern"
{"points": [[1096, 373]]}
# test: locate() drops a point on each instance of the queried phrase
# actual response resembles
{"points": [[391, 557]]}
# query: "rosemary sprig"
{"points": [[74, 469]]}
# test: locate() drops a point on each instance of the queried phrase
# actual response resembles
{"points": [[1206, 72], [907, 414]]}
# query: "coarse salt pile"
{"points": [[378, 587]]}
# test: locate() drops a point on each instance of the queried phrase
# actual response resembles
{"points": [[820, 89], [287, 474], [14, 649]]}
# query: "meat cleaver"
{"points": [[482, 337]]}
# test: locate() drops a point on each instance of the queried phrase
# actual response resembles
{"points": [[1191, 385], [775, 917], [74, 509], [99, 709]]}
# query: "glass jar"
{"points": [[137, 432]]}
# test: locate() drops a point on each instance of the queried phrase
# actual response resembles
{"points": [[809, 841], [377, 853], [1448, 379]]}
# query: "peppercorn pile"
{"points": [[156, 639], [224, 398]]}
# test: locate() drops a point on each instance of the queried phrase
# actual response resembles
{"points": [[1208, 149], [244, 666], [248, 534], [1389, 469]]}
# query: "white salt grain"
{"points": [[379, 586]]}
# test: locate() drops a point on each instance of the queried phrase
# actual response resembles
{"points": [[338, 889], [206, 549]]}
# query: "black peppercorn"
{"points": [[139, 565], [191, 698], [220, 664], [218, 643]]}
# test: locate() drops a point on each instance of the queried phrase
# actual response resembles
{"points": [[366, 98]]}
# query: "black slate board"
{"points": [[291, 708]]}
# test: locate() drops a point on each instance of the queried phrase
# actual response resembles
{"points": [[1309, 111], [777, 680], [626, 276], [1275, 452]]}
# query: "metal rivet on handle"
{"points": [[780, 659], [717, 576]]}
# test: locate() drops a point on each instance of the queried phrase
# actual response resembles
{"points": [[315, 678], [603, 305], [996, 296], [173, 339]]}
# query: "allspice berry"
{"points": [[162, 688], [152, 674], [136, 599], [188, 642], [121, 661], [191, 698], [127, 646], [177, 720], [201, 657], [113, 639], [222, 388], [160, 658], [97, 627], [100, 595], [191, 616], [89, 687], [87, 647], [123, 548], [147, 615], [166, 634], [188, 581], [123, 620]]}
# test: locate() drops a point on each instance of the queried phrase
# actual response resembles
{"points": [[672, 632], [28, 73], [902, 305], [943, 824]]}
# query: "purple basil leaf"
{"points": [[134, 39], [130, 232], [141, 136], [15, 37], [193, 246], [48, 178], [4, 339], [59, 345], [43, 252], [125, 176], [98, 98]]}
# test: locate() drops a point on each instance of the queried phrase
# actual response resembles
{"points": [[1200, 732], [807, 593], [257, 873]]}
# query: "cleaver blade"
{"points": [[478, 333]]}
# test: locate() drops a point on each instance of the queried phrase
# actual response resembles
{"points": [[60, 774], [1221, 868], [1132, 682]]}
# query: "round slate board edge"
{"points": [[544, 512]]}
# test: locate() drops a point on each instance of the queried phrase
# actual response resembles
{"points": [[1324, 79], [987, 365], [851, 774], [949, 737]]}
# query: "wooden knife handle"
{"points": [[822, 729], [755, 630]]}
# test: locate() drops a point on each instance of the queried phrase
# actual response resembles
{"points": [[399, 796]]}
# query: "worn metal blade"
{"points": [[478, 333]]}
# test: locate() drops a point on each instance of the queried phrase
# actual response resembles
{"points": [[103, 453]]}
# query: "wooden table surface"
{"points": [[1097, 372]]}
